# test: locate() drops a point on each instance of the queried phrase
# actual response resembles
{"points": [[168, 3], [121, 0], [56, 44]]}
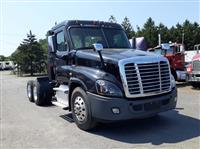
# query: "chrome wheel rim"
{"points": [[29, 91], [35, 97], [80, 109]]}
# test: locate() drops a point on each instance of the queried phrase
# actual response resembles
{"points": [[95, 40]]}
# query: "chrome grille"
{"points": [[150, 79], [196, 65], [132, 79], [165, 76], [145, 79]]}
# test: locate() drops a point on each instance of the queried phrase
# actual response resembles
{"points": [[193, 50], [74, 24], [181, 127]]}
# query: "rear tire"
{"points": [[42, 92], [81, 110], [29, 90]]}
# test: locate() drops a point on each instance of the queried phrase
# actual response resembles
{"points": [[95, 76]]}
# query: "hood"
{"points": [[113, 55]]}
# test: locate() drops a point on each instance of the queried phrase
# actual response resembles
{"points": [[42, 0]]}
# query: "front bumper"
{"points": [[101, 107], [193, 77]]}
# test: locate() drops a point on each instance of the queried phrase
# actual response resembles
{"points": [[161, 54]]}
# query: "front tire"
{"points": [[81, 111]]}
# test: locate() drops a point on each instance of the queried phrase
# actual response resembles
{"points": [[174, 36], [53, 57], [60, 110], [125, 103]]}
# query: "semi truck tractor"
{"points": [[193, 70], [94, 73], [175, 54]]}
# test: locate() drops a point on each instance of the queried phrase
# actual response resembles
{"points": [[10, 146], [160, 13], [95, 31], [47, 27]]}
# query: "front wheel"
{"points": [[81, 110]]}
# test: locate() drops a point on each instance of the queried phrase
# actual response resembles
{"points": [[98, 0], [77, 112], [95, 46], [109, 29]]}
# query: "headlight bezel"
{"points": [[107, 88]]}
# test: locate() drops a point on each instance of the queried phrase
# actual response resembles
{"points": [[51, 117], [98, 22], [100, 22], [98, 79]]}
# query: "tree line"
{"points": [[187, 33], [31, 54]]}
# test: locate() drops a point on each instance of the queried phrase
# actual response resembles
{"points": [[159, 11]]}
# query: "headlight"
{"points": [[107, 88], [173, 82]]}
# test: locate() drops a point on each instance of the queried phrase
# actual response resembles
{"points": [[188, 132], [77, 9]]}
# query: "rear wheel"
{"points": [[29, 90], [41, 93], [81, 110]]}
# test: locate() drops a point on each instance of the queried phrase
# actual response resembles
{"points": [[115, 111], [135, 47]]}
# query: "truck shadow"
{"points": [[182, 84], [169, 127], [186, 84]]}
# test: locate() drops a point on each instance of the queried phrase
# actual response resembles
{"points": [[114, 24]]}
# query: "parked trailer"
{"points": [[9, 65], [2, 65]]}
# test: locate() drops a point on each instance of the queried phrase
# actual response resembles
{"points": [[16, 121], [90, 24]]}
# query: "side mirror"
{"points": [[98, 47], [51, 44]]}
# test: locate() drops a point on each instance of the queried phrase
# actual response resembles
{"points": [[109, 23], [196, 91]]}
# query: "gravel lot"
{"points": [[25, 125]]}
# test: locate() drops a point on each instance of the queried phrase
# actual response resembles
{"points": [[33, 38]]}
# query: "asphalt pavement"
{"points": [[25, 125]]}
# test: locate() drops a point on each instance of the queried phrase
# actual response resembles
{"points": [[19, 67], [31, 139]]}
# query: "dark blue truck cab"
{"points": [[95, 73]]}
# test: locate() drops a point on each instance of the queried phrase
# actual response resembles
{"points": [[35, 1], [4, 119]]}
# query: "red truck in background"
{"points": [[193, 70], [174, 52]]}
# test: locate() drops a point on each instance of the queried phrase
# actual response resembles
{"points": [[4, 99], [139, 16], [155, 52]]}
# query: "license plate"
{"points": [[152, 105]]}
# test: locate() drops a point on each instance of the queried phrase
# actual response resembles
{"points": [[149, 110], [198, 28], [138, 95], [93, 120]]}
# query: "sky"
{"points": [[19, 16]]}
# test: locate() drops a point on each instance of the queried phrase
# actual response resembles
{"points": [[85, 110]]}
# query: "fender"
{"points": [[77, 81], [86, 77], [73, 83]]}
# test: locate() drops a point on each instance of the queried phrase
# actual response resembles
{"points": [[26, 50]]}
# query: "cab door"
{"points": [[61, 61]]}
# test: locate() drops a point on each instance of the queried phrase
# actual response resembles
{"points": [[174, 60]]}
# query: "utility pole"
{"points": [[159, 39], [183, 36]]}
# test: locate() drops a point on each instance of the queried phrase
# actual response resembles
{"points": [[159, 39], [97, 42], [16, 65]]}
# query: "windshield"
{"points": [[169, 51], [110, 38], [158, 51]]}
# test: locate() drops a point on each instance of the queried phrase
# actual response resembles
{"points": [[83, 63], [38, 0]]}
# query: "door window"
{"points": [[60, 41]]}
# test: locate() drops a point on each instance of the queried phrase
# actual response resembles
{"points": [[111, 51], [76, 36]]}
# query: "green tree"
{"points": [[128, 28], [196, 34], [29, 55], [43, 43], [164, 32], [149, 32], [44, 46], [176, 33], [112, 19], [191, 34], [2, 58], [188, 33]]}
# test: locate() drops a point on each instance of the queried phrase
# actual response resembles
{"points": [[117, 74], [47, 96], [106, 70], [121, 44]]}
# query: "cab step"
{"points": [[60, 105], [61, 96], [62, 88]]}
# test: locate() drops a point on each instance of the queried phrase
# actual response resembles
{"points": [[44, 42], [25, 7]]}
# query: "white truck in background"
{"points": [[2, 65], [189, 55], [6, 65]]}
